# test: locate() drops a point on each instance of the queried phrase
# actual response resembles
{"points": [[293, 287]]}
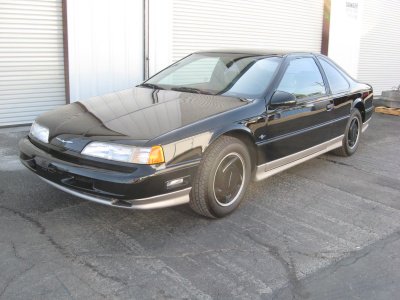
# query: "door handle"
{"points": [[330, 106]]}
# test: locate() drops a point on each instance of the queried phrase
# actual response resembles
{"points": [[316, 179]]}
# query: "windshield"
{"points": [[236, 75]]}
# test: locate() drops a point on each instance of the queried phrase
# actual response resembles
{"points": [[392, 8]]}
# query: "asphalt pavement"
{"points": [[326, 229]]}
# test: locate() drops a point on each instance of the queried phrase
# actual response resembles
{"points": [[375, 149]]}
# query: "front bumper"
{"points": [[160, 201], [144, 187]]}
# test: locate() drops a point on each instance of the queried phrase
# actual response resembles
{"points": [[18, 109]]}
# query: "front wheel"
{"points": [[352, 135], [222, 178]]}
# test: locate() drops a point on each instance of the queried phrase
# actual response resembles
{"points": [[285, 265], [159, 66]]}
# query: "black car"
{"points": [[200, 130]]}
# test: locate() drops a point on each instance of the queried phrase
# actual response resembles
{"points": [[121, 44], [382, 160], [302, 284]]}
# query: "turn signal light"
{"points": [[156, 155]]}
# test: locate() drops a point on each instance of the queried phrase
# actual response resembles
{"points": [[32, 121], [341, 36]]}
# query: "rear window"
{"points": [[336, 80]]}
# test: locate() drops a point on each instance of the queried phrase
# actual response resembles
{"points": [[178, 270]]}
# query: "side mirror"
{"points": [[280, 98]]}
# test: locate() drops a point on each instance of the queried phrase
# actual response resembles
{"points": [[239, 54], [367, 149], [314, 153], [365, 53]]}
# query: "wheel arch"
{"points": [[359, 104], [245, 135]]}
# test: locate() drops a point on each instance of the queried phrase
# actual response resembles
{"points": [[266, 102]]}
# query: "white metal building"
{"points": [[31, 59], [365, 38], [57, 51]]}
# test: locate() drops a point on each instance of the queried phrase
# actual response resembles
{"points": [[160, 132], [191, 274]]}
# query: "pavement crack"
{"points": [[394, 237], [96, 270], [182, 255], [40, 227], [341, 163], [356, 255], [63, 251], [16, 254], [65, 287], [12, 279], [354, 259], [294, 283], [319, 255], [337, 162], [349, 259]]}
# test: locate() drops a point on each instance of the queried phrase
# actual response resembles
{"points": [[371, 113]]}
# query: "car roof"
{"points": [[278, 52]]}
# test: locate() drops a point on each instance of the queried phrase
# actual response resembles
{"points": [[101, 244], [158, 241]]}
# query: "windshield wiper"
{"points": [[189, 90], [152, 86]]}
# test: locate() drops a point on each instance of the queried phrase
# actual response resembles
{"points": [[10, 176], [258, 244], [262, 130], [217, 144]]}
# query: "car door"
{"points": [[339, 88], [293, 128]]}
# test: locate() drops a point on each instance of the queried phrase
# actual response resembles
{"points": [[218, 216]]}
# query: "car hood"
{"points": [[138, 114]]}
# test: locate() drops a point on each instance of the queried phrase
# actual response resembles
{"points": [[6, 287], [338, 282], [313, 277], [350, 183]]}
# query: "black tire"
{"points": [[215, 194], [350, 143]]}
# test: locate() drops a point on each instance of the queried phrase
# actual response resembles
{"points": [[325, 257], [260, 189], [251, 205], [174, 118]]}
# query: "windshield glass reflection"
{"points": [[236, 75]]}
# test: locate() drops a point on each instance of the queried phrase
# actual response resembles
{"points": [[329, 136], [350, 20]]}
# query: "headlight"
{"points": [[40, 132], [124, 153]]}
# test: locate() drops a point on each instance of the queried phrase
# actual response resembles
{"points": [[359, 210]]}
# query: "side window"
{"points": [[303, 79], [336, 80]]}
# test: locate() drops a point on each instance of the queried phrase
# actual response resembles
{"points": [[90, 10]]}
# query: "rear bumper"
{"points": [[144, 187]]}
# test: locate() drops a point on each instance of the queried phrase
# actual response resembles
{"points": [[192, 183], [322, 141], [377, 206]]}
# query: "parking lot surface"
{"points": [[326, 229]]}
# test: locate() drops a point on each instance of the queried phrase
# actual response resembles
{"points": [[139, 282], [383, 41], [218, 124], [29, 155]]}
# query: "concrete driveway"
{"points": [[327, 229]]}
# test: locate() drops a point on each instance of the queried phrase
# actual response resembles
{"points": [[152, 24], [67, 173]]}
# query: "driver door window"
{"points": [[303, 79]]}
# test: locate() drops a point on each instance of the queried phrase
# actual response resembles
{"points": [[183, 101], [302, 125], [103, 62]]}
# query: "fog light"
{"points": [[177, 182], [174, 182]]}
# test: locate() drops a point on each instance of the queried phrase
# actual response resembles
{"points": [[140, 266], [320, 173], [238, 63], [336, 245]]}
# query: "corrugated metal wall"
{"points": [[31, 59], [105, 42], [379, 60], [273, 24]]}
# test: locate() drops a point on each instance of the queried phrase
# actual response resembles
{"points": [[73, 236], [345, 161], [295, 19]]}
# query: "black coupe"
{"points": [[200, 130]]}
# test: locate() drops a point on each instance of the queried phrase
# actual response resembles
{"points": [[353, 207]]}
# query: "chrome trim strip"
{"points": [[369, 109], [301, 131], [365, 125], [159, 201], [281, 164]]}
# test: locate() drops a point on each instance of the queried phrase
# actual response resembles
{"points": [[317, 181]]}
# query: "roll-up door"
{"points": [[379, 61], [31, 59], [179, 27], [273, 24]]}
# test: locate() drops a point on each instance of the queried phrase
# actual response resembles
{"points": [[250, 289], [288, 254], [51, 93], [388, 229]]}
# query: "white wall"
{"points": [[179, 27], [105, 42], [364, 40], [106, 36], [379, 62], [31, 60], [345, 34], [160, 34]]}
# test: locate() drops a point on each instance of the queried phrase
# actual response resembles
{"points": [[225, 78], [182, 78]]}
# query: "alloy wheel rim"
{"points": [[353, 133], [229, 179]]}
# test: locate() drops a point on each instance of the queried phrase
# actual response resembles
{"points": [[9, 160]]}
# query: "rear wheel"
{"points": [[222, 178], [352, 135]]}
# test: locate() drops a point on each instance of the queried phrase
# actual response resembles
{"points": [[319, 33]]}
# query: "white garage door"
{"points": [[266, 24], [105, 46], [31, 59], [379, 62]]}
